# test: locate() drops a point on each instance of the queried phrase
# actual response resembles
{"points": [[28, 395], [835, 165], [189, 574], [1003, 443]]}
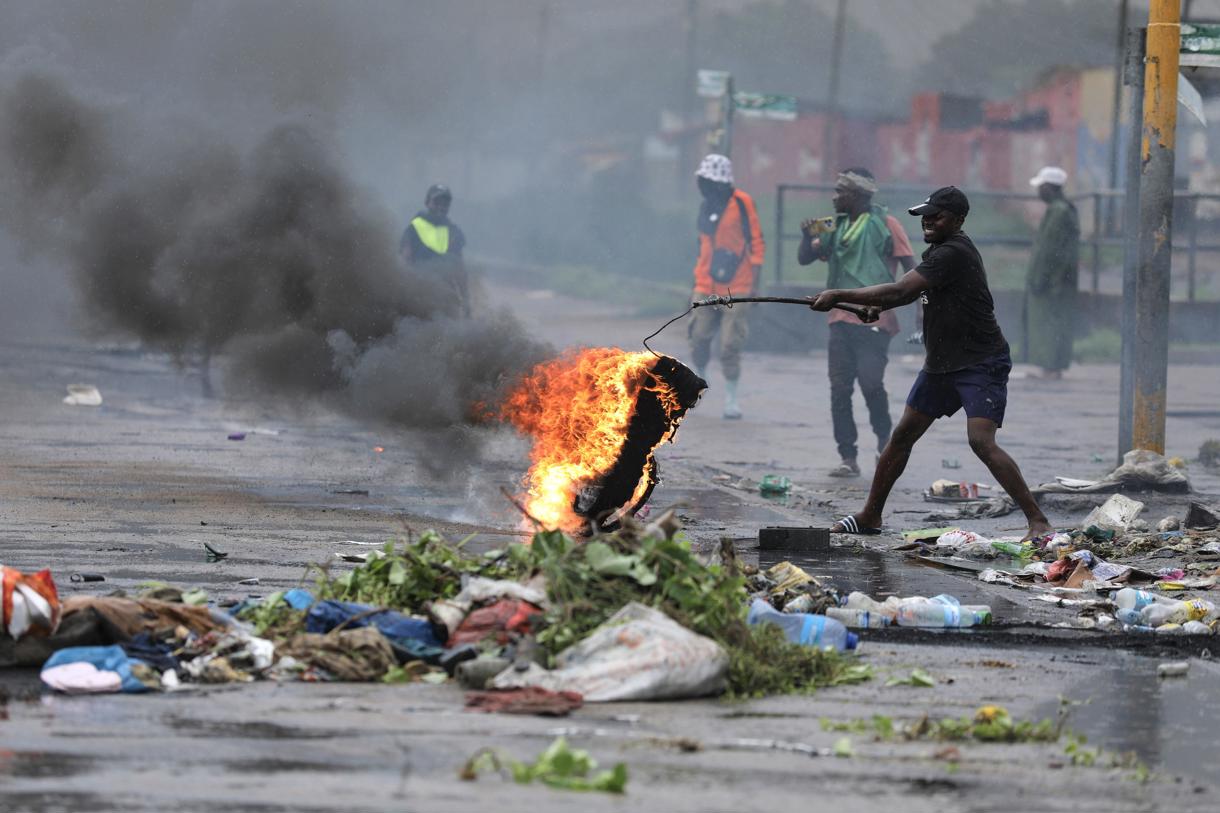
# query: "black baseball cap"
{"points": [[438, 190], [948, 198]]}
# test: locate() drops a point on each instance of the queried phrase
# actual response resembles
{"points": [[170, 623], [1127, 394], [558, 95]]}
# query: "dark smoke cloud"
{"points": [[271, 255]]}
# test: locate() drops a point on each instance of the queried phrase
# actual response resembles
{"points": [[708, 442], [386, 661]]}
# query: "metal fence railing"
{"points": [[997, 221]]}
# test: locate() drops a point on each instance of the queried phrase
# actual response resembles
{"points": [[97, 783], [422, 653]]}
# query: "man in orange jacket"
{"points": [[731, 252]]}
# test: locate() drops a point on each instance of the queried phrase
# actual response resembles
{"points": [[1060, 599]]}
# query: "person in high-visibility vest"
{"points": [[433, 242]]}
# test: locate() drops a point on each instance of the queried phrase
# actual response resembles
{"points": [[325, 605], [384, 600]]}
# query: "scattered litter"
{"points": [[354, 655], [1168, 524], [358, 492], [1140, 470], [804, 628], [774, 485], [942, 611], [83, 395], [1201, 516], [28, 603], [252, 581], [81, 678], [91, 669], [378, 449], [1115, 514], [1173, 669], [950, 463], [499, 621], [953, 491], [530, 700], [237, 436], [212, 554], [328, 615], [86, 577]]}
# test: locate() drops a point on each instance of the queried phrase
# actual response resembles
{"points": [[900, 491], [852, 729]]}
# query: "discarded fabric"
{"points": [[527, 700], [327, 615], [102, 658], [28, 603]]}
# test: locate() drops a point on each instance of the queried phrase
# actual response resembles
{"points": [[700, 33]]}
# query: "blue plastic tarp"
{"points": [[401, 629]]}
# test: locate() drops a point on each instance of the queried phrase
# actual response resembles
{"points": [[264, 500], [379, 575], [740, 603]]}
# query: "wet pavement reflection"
{"points": [[1169, 723]]}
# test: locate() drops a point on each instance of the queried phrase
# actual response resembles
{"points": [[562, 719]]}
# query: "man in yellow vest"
{"points": [[431, 243]]}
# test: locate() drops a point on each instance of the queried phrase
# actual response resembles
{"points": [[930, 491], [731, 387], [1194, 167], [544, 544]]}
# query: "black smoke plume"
{"points": [[270, 256]]}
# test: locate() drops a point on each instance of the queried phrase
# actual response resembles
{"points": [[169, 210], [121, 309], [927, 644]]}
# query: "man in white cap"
{"points": [[731, 252], [1050, 290]]}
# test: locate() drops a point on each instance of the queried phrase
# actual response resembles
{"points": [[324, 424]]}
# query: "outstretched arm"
{"points": [[886, 296]]}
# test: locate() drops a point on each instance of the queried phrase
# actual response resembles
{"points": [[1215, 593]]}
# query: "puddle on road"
{"points": [[1169, 723]]}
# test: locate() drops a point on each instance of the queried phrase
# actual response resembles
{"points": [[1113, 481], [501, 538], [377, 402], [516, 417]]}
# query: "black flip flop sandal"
{"points": [[850, 526]]}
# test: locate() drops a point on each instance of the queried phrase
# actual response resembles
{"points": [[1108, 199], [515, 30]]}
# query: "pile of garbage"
{"points": [[534, 628], [1080, 565]]}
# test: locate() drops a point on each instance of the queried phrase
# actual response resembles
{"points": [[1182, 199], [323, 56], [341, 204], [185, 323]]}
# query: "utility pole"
{"points": [[726, 133], [830, 130], [1133, 78], [1151, 351], [685, 159], [1120, 79]]}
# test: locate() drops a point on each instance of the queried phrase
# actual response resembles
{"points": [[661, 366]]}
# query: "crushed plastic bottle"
{"points": [[861, 601], [803, 628], [1176, 612], [857, 618], [941, 611]]}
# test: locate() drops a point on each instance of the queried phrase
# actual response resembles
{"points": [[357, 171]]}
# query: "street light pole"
{"points": [[1151, 349], [830, 129]]}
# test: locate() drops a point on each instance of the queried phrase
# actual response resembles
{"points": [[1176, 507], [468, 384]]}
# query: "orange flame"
{"points": [[577, 409]]}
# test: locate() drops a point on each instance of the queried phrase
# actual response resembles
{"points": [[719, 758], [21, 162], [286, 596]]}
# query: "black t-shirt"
{"points": [[959, 325]]}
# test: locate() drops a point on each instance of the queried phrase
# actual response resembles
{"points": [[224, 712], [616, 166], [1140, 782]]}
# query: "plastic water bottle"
{"points": [[941, 611], [857, 618], [860, 601], [1131, 599], [1176, 612], [1018, 549], [804, 628]]}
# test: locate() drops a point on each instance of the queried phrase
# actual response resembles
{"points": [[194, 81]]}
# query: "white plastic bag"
{"points": [[638, 654]]}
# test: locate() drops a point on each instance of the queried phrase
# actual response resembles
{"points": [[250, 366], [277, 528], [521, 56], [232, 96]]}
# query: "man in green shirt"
{"points": [[866, 246], [1050, 291]]}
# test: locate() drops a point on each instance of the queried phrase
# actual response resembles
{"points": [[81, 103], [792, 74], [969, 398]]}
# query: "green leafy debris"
{"points": [[589, 581], [559, 766], [918, 677]]}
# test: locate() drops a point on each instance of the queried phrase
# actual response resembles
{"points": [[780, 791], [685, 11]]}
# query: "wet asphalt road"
{"points": [[134, 488]]}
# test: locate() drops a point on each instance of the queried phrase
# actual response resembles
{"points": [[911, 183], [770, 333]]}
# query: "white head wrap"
{"points": [[716, 168], [861, 182]]}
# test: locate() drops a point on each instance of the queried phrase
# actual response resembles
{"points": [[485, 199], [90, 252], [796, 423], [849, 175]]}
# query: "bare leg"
{"points": [[911, 427], [981, 432]]}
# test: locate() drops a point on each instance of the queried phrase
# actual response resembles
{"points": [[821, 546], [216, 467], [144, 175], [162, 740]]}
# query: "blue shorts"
{"points": [[981, 388]]}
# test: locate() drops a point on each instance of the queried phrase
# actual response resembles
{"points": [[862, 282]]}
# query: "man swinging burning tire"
{"points": [[967, 358]]}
